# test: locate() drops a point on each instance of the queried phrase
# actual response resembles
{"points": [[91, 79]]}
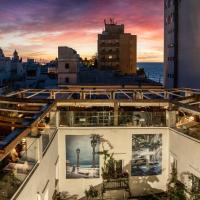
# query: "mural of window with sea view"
{"points": [[82, 158], [146, 155]]}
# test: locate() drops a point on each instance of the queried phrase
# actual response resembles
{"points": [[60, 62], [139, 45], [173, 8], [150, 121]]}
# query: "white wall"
{"points": [[121, 139], [182, 148], [44, 175], [185, 151]]}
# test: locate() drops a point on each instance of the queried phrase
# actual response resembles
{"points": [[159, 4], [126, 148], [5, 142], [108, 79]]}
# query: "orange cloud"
{"points": [[37, 28]]}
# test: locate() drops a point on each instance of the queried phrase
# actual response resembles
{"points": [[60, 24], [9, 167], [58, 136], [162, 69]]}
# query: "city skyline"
{"points": [[37, 28]]}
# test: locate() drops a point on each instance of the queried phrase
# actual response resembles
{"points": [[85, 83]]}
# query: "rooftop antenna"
{"points": [[105, 21]]}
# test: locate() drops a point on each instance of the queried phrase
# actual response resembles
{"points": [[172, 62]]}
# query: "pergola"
{"points": [[17, 119], [20, 111], [107, 92]]}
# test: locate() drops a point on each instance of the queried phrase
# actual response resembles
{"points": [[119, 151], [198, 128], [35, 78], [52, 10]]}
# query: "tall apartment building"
{"points": [[68, 61], [116, 49], [182, 43]]}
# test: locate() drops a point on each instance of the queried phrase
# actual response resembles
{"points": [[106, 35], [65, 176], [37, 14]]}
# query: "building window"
{"points": [[171, 45], [169, 19], [171, 31], [66, 65], [169, 3], [66, 80], [170, 76], [31, 73], [172, 58]]}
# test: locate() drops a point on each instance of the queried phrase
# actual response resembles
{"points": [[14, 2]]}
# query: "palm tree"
{"points": [[94, 142]]}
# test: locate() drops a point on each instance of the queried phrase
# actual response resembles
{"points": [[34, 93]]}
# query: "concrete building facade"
{"points": [[182, 46], [68, 65], [117, 50], [12, 72]]}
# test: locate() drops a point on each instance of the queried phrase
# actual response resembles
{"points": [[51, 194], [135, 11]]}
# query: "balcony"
{"points": [[109, 51], [110, 60], [16, 167], [189, 125], [142, 119], [86, 118], [47, 129], [109, 44], [106, 118], [23, 158]]}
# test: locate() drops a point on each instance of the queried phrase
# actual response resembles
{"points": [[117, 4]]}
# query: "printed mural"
{"points": [[146, 155], [82, 158]]}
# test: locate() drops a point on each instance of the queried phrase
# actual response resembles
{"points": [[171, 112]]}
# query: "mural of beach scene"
{"points": [[146, 155], [82, 158]]}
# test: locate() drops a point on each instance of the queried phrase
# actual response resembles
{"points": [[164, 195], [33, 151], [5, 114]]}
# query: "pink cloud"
{"points": [[45, 24]]}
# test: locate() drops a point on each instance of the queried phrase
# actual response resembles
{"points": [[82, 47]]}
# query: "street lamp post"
{"points": [[77, 158]]}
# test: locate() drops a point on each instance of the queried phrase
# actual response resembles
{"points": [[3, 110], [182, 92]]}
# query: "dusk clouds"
{"points": [[36, 27]]}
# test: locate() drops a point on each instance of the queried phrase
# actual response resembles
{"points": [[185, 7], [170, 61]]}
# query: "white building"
{"points": [[33, 72], [68, 66], [11, 72], [182, 43]]}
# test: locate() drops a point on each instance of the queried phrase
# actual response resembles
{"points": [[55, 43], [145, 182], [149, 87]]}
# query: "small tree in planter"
{"points": [[91, 193], [108, 169], [112, 169], [176, 190]]}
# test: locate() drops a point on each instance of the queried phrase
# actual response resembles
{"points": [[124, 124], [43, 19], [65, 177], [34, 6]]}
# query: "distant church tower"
{"points": [[15, 56], [1, 53]]}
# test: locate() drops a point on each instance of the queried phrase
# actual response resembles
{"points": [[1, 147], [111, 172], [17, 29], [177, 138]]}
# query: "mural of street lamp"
{"points": [[81, 156], [78, 158]]}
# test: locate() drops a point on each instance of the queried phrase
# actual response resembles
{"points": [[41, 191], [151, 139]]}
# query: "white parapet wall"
{"points": [[155, 147], [184, 150], [122, 141], [41, 184]]}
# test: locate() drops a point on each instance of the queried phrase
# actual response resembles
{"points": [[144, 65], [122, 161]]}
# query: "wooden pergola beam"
{"points": [[11, 119], [7, 124], [19, 111]]}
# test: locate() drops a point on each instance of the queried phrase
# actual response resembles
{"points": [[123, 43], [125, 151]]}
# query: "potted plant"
{"points": [[91, 193], [176, 190], [194, 190], [41, 126]]}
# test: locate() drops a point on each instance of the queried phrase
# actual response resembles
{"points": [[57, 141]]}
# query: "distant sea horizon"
{"points": [[153, 70]]}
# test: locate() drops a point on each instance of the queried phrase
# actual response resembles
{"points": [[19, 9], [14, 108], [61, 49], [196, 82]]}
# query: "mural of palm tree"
{"points": [[78, 158], [94, 142]]}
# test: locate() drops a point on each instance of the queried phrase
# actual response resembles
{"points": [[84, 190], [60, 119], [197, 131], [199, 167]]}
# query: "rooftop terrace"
{"points": [[49, 109]]}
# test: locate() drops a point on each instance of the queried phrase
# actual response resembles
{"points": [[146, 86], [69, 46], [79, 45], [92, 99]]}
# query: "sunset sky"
{"points": [[37, 27]]}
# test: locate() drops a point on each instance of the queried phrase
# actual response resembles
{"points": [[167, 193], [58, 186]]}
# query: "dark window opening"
{"points": [[66, 80], [31, 73], [67, 66]]}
